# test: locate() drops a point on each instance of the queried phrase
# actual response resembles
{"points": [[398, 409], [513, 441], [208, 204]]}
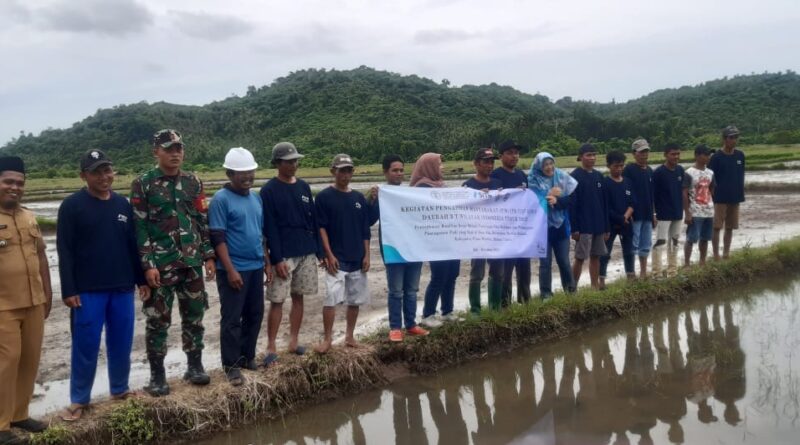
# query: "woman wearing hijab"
{"points": [[554, 186], [428, 173]]}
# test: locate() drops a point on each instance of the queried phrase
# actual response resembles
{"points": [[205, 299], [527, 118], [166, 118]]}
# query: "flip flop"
{"points": [[300, 350], [72, 414], [125, 395], [269, 360]]}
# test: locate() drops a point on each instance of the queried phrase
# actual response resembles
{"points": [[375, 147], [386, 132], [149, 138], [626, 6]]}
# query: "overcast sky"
{"points": [[64, 59]]}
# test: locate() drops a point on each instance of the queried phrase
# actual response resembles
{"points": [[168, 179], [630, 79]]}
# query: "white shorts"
{"points": [[346, 287]]}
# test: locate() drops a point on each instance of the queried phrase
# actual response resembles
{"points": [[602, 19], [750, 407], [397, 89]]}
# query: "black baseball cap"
{"points": [[703, 149], [508, 144], [94, 159], [586, 148]]}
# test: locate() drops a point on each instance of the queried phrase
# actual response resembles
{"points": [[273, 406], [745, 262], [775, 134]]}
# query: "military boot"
{"points": [[158, 378], [195, 373], [474, 298]]}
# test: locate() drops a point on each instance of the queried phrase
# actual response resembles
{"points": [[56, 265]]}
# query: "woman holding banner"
{"points": [[428, 173], [555, 186]]}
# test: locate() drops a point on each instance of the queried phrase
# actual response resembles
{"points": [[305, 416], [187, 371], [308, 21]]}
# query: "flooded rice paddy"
{"points": [[722, 369]]}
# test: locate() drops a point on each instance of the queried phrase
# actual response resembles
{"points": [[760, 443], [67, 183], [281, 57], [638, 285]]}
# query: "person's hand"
{"points": [[551, 200], [332, 265], [555, 191], [282, 270], [144, 292], [153, 277], [73, 301], [576, 236], [373, 193], [655, 222], [235, 279], [211, 269], [47, 307], [606, 236], [365, 263], [688, 219], [268, 276], [627, 219]]}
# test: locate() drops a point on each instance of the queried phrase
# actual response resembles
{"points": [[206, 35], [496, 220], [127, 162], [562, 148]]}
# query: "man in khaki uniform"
{"points": [[25, 299]]}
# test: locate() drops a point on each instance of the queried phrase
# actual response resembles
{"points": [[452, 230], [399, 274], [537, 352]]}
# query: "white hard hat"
{"points": [[240, 159]]}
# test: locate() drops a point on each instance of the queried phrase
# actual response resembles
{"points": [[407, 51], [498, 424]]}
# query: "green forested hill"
{"points": [[368, 113]]}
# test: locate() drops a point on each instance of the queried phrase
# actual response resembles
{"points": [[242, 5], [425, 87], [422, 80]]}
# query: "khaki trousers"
{"points": [[21, 333]]}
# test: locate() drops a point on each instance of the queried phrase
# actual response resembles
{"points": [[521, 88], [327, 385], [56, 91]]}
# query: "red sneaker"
{"points": [[396, 335], [417, 331]]}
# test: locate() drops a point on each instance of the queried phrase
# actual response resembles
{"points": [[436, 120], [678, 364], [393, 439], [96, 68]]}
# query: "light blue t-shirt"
{"points": [[241, 218]]}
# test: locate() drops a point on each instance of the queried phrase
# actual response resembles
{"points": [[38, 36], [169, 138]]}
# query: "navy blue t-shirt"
{"points": [[642, 188], [345, 216], [668, 192], [588, 212], [510, 180], [493, 184], [96, 242], [290, 221], [729, 175], [619, 197]]}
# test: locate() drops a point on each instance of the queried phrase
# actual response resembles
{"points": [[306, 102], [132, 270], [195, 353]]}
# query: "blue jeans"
{"points": [[558, 246], [403, 282], [115, 311], [443, 283], [642, 237], [626, 239]]}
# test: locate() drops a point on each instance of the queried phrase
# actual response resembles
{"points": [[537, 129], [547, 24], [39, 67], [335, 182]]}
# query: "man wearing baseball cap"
{"points": [[484, 163], [644, 220], [728, 167], [98, 286], [235, 220], [292, 233], [170, 210], [344, 221]]}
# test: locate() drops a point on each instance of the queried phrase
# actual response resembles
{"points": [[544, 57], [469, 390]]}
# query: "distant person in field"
{"points": [[588, 215], [728, 166], [640, 176], [668, 194], [512, 177], [402, 279], [698, 204], [428, 172], [555, 186], [292, 233], [236, 221], [344, 221], [484, 163], [170, 210], [25, 301], [91, 223], [620, 200]]}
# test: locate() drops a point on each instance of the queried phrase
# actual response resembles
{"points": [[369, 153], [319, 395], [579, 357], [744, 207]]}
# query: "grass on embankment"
{"points": [[295, 381]]}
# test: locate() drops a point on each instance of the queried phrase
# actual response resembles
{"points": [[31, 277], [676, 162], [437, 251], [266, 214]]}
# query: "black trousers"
{"points": [[242, 313], [523, 266]]}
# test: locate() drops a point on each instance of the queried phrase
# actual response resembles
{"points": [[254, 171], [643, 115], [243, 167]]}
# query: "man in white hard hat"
{"points": [[236, 224]]}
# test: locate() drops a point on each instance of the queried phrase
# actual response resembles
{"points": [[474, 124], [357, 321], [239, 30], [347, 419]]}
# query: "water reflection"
{"points": [[679, 377]]}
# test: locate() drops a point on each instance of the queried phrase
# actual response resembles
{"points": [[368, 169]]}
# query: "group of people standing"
{"points": [[166, 239]]}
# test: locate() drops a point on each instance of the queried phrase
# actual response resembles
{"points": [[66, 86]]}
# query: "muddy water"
{"points": [[723, 369]]}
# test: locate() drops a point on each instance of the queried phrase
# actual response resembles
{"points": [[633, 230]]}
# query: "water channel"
{"points": [[722, 369]]}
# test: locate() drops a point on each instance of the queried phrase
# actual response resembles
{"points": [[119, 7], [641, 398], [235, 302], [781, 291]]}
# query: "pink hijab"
{"points": [[427, 171]]}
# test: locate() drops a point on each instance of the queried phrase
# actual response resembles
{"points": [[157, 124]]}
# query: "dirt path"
{"points": [[766, 218]]}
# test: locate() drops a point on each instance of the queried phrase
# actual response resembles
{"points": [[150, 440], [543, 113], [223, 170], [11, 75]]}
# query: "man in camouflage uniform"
{"points": [[172, 231]]}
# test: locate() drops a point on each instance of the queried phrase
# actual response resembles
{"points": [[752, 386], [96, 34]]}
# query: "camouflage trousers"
{"points": [[188, 285]]}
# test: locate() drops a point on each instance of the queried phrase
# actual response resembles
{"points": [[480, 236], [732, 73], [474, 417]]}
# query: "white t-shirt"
{"points": [[699, 183]]}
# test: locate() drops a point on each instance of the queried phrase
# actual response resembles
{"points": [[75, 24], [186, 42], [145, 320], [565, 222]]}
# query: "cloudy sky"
{"points": [[64, 59]]}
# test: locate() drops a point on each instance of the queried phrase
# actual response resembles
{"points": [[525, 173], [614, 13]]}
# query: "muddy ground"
{"points": [[766, 218]]}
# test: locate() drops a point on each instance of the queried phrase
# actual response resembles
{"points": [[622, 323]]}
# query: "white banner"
{"points": [[432, 224]]}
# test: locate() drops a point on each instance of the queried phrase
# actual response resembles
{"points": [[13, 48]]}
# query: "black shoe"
{"points": [[158, 378], [234, 376], [195, 373], [9, 438], [30, 425], [250, 365]]}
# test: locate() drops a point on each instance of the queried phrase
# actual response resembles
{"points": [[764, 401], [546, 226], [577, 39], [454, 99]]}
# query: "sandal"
{"points": [[72, 413], [269, 360], [299, 350], [125, 395]]}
